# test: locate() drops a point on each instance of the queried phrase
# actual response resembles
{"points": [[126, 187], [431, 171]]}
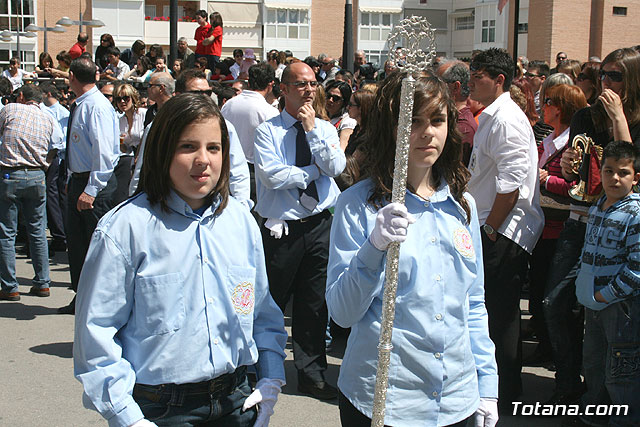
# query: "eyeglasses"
{"points": [[302, 85], [108, 95], [561, 58], [615, 76], [125, 98], [207, 92], [548, 102], [335, 98], [528, 74], [156, 85]]}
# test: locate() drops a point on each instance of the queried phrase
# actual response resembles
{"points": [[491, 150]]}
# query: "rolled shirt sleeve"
{"points": [[512, 158]]}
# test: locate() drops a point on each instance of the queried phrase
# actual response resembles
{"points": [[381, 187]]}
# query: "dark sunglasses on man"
{"points": [[207, 92], [615, 76]]}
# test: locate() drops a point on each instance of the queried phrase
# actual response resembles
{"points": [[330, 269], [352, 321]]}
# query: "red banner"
{"points": [[501, 5]]}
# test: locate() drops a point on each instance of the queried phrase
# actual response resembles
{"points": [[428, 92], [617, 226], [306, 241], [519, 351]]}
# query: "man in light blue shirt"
{"points": [[296, 157], [92, 153]]}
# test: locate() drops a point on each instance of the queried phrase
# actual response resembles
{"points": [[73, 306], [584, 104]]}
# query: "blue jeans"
{"points": [[23, 190], [612, 361], [563, 317], [219, 405]]}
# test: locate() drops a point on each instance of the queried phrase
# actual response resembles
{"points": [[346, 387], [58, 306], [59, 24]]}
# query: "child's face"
{"points": [[428, 135], [618, 178], [196, 164]]}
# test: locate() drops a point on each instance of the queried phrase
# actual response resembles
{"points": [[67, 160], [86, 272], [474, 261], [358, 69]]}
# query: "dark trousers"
{"points": [[56, 202], [565, 319], [80, 224], [122, 171], [612, 361], [211, 403], [297, 266], [351, 417], [505, 266], [541, 259]]}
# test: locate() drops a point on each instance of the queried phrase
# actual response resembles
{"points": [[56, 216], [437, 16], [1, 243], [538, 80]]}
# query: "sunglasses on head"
{"points": [[615, 76], [207, 92], [125, 98], [335, 98]]}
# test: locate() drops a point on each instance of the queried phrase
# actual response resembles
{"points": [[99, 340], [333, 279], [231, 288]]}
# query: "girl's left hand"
{"points": [[612, 104], [487, 413]]}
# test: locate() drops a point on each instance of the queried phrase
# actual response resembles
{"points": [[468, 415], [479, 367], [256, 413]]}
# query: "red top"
{"points": [[76, 50], [216, 46], [201, 34], [558, 185]]}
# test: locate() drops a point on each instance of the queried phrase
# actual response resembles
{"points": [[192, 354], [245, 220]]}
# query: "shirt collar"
{"points": [[499, 102], [442, 193], [177, 204], [558, 142], [84, 96], [287, 119], [616, 205]]}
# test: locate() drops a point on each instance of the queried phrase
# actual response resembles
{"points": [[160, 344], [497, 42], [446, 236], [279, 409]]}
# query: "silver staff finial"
{"points": [[418, 39]]}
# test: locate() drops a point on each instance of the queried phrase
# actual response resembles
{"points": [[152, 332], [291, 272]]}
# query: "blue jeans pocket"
{"points": [[153, 406], [625, 360]]}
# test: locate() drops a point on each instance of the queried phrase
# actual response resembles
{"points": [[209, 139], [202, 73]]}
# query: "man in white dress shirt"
{"points": [[249, 109], [504, 183]]}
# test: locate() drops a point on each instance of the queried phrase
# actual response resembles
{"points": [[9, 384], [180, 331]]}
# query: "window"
{"points": [[166, 11], [377, 26], [436, 17], [465, 23], [16, 15], [376, 57], [523, 28], [619, 11], [488, 31], [150, 10], [287, 24]]}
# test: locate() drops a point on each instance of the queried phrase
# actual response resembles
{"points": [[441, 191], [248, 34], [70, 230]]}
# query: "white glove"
{"points": [[391, 226], [277, 227], [487, 412], [265, 396], [143, 423]]}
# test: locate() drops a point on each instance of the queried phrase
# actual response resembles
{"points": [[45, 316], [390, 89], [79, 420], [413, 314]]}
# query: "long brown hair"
{"points": [[179, 112], [432, 92]]}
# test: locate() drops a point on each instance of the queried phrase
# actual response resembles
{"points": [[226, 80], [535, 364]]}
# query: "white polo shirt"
{"points": [[505, 159]]}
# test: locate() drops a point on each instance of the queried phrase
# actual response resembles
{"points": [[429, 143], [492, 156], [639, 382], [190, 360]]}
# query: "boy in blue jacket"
{"points": [[608, 285]]}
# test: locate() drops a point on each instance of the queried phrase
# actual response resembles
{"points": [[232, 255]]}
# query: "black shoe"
{"points": [[321, 390], [68, 309], [57, 245]]}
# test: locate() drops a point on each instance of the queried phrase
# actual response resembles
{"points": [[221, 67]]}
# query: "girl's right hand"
{"points": [[391, 226]]}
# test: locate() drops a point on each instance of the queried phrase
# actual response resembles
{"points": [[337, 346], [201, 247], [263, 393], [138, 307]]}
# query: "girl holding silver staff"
{"points": [[442, 366]]}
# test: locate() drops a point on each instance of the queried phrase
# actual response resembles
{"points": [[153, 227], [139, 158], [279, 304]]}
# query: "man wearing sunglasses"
{"points": [[296, 157], [560, 56], [537, 72]]}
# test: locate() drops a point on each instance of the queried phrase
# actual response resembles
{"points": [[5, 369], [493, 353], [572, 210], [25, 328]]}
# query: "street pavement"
{"points": [[37, 386]]}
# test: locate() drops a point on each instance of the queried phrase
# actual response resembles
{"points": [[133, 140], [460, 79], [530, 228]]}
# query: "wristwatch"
{"points": [[488, 229]]}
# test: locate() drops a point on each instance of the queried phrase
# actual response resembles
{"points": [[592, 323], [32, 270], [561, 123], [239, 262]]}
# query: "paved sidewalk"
{"points": [[37, 387]]}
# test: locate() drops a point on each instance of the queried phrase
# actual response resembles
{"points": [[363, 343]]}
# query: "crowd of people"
{"points": [[197, 198]]}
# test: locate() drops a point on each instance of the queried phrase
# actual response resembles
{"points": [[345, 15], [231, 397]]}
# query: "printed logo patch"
{"points": [[463, 243], [75, 137], [243, 298]]}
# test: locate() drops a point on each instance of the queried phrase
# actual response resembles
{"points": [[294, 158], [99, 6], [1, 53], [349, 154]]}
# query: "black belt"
{"points": [[80, 175], [21, 168], [313, 218], [222, 384]]}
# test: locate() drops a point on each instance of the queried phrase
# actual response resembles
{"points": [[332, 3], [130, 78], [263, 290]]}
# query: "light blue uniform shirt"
{"points": [[58, 136], [278, 180], [172, 297], [59, 113], [442, 360], [94, 144]]}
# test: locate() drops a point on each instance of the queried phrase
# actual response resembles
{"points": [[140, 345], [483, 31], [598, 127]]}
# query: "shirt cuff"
{"points": [[313, 173], [129, 414], [370, 256], [608, 295], [488, 386], [91, 190], [270, 365], [504, 187]]}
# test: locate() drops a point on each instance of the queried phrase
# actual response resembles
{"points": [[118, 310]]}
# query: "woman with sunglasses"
{"points": [[106, 41], [126, 100], [615, 116], [588, 80], [338, 97]]}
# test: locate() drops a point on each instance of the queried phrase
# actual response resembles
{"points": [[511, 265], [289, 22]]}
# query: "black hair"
{"points": [[495, 62], [260, 75], [30, 93], [202, 13], [83, 69], [345, 93], [186, 76], [346, 73], [5, 86], [541, 66], [618, 150], [225, 94], [113, 51], [50, 88], [237, 52]]}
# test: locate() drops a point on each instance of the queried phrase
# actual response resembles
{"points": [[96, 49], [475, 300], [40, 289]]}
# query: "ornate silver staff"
{"points": [[410, 32]]}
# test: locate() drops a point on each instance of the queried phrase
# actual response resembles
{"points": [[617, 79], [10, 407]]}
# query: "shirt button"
{"points": [[434, 394], [215, 341], [438, 355], [426, 204], [438, 316], [206, 260], [210, 300], [433, 240], [438, 277]]}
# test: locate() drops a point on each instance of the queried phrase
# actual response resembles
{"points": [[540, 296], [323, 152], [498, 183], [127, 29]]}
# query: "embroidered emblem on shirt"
{"points": [[243, 298], [75, 137], [463, 243]]}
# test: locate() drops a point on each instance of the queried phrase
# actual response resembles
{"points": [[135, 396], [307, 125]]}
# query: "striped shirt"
{"points": [[26, 132]]}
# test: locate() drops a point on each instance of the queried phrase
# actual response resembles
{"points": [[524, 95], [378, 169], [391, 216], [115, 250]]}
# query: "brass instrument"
{"points": [[589, 187]]}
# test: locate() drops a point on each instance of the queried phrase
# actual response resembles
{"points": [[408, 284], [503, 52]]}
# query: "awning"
{"points": [[237, 15], [380, 9], [286, 5], [461, 13]]}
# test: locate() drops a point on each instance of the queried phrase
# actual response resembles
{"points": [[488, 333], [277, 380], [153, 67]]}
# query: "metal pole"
{"points": [[80, 19], [516, 5], [45, 37], [347, 43], [173, 33]]}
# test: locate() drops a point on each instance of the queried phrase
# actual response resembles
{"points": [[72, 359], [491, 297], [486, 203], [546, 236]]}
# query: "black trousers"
{"points": [[80, 224], [56, 202], [351, 417], [505, 266], [297, 266], [541, 259]]}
